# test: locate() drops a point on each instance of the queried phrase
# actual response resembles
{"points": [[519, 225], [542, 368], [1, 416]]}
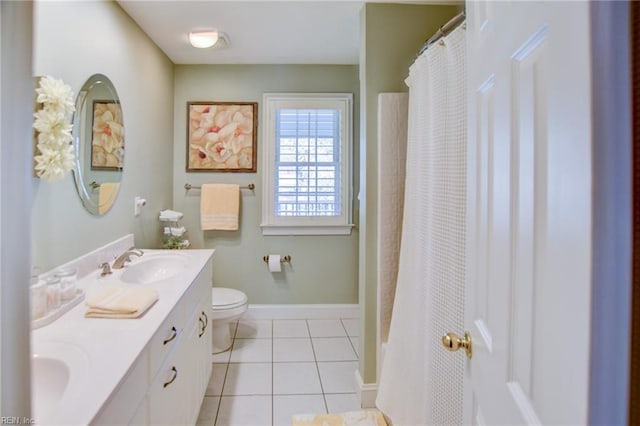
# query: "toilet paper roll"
{"points": [[274, 263]]}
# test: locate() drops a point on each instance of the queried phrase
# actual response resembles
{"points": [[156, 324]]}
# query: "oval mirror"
{"points": [[98, 137]]}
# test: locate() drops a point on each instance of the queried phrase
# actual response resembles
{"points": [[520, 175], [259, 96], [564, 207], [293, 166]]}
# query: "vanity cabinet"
{"points": [[177, 390], [167, 382]]}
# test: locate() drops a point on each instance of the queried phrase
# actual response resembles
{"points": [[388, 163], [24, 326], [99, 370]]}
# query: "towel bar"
{"points": [[188, 186]]}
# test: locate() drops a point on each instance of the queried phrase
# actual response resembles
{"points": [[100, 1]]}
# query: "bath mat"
{"points": [[350, 418]]}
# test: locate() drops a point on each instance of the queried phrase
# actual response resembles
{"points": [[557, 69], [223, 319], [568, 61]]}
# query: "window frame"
{"points": [[306, 225]]}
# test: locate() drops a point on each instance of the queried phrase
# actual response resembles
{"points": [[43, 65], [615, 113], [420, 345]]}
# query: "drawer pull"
{"points": [[175, 374], [204, 327], [174, 333], [206, 319]]}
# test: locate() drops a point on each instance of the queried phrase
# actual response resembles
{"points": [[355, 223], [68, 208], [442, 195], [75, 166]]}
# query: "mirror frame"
{"points": [[82, 118]]}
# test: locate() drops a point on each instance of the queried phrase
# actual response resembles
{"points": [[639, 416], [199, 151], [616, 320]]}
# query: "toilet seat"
{"points": [[227, 298]]}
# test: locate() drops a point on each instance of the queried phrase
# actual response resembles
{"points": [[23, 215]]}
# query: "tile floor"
{"points": [[277, 368]]}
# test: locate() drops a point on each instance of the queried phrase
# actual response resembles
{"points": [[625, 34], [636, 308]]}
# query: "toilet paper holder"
{"points": [[283, 259]]}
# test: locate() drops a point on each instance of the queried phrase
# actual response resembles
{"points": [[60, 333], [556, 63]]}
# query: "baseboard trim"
{"points": [[317, 311], [365, 392]]}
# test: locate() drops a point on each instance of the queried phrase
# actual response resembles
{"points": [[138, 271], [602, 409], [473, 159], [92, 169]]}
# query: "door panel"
{"points": [[528, 200], [529, 218]]}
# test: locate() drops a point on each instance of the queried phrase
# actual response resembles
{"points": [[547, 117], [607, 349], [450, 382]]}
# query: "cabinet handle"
{"points": [[173, 336], [175, 374], [206, 319], [203, 327]]}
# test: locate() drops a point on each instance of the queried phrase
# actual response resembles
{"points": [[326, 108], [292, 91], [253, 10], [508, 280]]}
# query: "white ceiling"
{"points": [[260, 32]]}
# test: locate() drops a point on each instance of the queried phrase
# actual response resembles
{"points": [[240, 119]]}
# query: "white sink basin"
{"points": [[153, 269], [50, 380], [51, 377]]}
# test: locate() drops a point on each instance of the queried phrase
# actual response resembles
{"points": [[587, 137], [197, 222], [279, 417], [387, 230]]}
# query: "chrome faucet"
{"points": [[126, 257], [106, 269]]}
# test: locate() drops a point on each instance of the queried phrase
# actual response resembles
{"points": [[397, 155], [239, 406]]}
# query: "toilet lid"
{"points": [[227, 298]]}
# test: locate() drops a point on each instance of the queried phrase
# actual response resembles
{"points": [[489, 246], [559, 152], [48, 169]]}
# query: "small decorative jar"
{"points": [[53, 293], [68, 278], [38, 298]]}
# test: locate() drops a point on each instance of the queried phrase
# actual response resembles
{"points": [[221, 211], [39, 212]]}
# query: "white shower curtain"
{"points": [[421, 383]]}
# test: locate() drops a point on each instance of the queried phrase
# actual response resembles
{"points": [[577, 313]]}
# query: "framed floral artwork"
{"points": [[222, 136], [107, 136]]}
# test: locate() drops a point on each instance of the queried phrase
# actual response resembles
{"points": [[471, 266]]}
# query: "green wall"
{"points": [[72, 41], [392, 34], [323, 268], [154, 92]]}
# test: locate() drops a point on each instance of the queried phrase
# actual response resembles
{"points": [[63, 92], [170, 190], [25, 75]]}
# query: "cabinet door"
{"points": [[140, 418], [204, 345], [167, 397], [201, 354], [194, 393], [198, 333], [127, 400]]}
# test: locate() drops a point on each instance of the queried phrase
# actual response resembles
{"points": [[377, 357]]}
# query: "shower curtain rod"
{"points": [[443, 31]]}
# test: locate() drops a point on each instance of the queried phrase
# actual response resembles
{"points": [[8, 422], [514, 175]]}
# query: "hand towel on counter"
{"points": [[219, 206], [121, 302], [107, 192]]}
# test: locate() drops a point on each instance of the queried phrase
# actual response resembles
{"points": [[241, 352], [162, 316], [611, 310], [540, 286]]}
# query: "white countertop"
{"points": [[103, 350]]}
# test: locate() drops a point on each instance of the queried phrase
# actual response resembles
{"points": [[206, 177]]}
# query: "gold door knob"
{"points": [[452, 343]]}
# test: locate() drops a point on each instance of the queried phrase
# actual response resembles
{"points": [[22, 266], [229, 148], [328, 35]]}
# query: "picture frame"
{"points": [[107, 135], [222, 137]]}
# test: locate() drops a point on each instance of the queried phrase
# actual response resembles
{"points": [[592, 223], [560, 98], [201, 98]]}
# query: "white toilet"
{"points": [[227, 305]]}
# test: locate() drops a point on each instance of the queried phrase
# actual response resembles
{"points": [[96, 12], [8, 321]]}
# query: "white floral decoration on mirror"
{"points": [[56, 154]]}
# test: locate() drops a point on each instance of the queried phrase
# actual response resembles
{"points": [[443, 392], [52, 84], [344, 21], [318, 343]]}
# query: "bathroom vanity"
{"points": [[145, 371]]}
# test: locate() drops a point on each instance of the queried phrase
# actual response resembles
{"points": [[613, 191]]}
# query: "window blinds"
{"points": [[307, 178]]}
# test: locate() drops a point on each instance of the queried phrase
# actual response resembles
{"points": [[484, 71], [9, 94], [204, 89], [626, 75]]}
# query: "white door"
{"points": [[529, 215]]}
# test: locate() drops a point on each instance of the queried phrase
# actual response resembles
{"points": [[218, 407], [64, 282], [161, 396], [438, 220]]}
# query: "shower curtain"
{"points": [[420, 382]]}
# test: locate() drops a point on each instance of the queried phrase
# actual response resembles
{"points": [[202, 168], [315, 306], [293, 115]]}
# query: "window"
{"points": [[307, 157]]}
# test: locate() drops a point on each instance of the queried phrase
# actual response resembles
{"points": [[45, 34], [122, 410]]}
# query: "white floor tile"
{"points": [[355, 343], [326, 328], [208, 411], [273, 372], [252, 329], [292, 350], [245, 411], [248, 379], [291, 378], [251, 350], [352, 326], [286, 406], [214, 388], [290, 328], [333, 349], [341, 402], [338, 377]]}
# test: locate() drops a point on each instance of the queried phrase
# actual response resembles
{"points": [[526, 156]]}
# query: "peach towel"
{"points": [[219, 206], [120, 302], [107, 195]]}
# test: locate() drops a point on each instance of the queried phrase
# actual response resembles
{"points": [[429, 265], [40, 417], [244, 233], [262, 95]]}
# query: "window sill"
{"points": [[306, 230]]}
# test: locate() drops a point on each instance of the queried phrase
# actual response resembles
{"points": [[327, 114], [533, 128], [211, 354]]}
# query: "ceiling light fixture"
{"points": [[206, 39]]}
